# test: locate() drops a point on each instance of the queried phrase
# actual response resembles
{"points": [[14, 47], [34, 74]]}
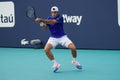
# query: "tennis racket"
{"points": [[30, 12]]}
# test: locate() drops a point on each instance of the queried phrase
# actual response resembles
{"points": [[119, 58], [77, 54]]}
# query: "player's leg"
{"points": [[65, 41], [72, 47], [51, 44], [48, 52]]}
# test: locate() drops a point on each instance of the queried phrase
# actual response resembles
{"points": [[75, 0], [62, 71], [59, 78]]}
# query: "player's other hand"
{"points": [[38, 20]]}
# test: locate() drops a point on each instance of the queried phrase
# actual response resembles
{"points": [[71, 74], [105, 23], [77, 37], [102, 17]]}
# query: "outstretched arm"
{"points": [[38, 20]]}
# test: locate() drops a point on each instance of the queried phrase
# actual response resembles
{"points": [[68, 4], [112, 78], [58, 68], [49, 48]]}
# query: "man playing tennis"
{"points": [[58, 36]]}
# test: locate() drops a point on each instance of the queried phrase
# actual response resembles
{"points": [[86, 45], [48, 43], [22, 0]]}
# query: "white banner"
{"points": [[7, 14], [118, 12]]}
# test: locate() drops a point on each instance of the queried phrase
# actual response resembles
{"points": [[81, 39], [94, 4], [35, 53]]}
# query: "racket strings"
{"points": [[31, 12]]}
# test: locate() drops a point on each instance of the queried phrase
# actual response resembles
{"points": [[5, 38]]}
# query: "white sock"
{"points": [[74, 59], [54, 61]]}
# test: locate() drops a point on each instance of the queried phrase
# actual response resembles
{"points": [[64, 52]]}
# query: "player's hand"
{"points": [[38, 20]]}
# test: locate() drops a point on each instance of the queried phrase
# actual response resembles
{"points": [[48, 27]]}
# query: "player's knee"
{"points": [[72, 47], [46, 50]]}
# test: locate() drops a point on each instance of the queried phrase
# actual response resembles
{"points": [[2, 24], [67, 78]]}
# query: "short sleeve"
{"points": [[48, 19], [59, 19]]}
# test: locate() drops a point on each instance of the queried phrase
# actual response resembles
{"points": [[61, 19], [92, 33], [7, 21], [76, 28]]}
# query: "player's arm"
{"points": [[46, 21], [42, 24]]}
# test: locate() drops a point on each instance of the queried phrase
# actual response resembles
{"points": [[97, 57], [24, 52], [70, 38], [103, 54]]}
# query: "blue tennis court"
{"points": [[32, 64]]}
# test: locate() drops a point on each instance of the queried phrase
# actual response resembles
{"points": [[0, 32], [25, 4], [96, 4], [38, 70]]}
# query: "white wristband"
{"points": [[42, 24]]}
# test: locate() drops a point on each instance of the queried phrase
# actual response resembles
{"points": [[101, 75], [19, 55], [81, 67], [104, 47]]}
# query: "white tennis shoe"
{"points": [[77, 64], [56, 66]]}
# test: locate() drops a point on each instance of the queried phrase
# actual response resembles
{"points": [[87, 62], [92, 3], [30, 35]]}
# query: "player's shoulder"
{"points": [[49, 17], [60, 16]]}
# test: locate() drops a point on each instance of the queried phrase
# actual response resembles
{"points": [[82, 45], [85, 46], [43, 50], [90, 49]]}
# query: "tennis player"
{"points": [[58, 37]]}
